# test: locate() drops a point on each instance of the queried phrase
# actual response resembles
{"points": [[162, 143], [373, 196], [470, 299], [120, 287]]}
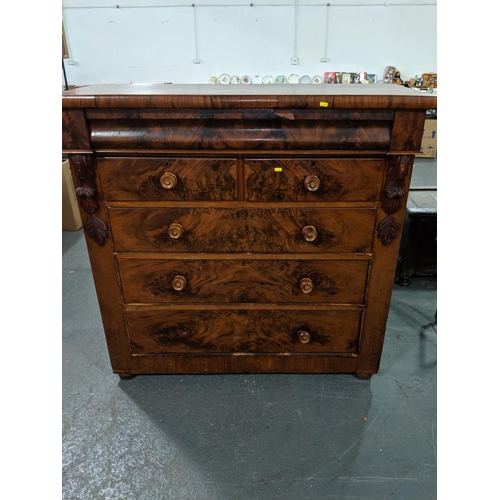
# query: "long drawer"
{"points": [[314, 179], [243, 281], [172, 179], [162, 331], [260, 230]]}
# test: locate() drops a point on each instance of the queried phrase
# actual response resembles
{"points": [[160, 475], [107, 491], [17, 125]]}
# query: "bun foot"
{"points": [[403, 281], [126, 376], [364, 376]]}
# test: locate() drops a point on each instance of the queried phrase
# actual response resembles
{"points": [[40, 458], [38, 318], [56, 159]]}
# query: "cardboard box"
{"points": [[71, 220], [429, 139]]}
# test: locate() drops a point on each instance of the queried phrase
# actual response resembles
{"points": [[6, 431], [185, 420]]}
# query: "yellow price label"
{"points": [[323, 104], [278, 169]]}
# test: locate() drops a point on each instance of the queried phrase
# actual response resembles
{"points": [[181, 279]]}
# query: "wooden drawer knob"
{"points": [[309, 233], [168, 180], [306, 285], [312, 183], [304, 336], [178, 283], [175, 231]]}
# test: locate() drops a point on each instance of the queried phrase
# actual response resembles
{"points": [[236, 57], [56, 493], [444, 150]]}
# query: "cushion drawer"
{"points": [[263, 230], [162, 331], [320, 179], [168, 179], [255, 281]]}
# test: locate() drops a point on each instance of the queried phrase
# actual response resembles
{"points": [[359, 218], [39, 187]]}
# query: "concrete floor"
{"points": [[228, 437]]}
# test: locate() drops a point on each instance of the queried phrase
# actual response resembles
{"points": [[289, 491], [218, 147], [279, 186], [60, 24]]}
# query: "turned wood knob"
{"points": [[312, 183], [306, 285], [178, 283], [309, 233], [168, 180], [304, 336], [175, 231]]}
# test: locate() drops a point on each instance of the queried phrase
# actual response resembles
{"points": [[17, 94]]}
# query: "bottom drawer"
{"points": [[168, 331]]}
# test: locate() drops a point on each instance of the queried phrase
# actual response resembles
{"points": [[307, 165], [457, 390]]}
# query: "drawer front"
{"points": [[162, 331], [254, 281], [309, 230], [172, 179], [313, 180], [244, 130]]}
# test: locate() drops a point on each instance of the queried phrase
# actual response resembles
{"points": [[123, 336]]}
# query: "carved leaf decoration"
{"points": [[394, 192], [394, 187], [90, 205], [85, 191], [96, 229], [391, 206], [388, 230]]}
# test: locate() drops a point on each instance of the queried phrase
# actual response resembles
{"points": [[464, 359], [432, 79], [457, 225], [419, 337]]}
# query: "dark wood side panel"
{"points": [[143, 179], [74, 130], [283, 134], [407, 131], [231, 331], [102, 260], [383, 268], [245, 280], [292, 180], [260, 230]]}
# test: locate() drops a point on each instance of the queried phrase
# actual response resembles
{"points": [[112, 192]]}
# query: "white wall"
{"points": [[152, 41]]}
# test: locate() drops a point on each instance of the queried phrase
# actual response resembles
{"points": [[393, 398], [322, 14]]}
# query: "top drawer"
{"points": [[322, 179], [168, 179]]}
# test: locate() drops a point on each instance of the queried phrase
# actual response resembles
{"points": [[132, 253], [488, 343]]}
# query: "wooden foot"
{"points": [[403, 280], [364, 376], [126, 376]]}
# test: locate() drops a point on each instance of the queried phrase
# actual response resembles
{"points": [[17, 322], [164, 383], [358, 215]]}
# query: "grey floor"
{"points": [[248, 437]]}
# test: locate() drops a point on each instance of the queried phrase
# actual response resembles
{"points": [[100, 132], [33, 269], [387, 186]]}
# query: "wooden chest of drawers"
{"points": [[243, 229]]}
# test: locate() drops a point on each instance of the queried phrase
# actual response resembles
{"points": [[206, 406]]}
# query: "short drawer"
{"points": [[313, 179], [243, 281], [162, 331], [171, 179], [261, 230]]}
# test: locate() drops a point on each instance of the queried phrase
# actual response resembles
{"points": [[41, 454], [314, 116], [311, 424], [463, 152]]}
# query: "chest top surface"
{"points": [[247, 96]]}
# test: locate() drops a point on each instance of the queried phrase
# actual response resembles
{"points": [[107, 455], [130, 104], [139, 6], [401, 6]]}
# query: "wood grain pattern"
{"points": [[340, 179], [232, 331], [352, 97], [74, 130], [106, 280], [243, 281], [217, 268], [138, 179], [379, 289], [239, 114], [407, 130], [274, 134], [242, 230], [244, 363]]}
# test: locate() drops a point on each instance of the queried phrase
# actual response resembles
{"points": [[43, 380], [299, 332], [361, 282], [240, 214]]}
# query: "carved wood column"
{"points": [[86, 191]]}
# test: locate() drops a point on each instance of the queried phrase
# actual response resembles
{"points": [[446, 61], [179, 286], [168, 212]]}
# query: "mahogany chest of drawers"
{"points": [[237, 229]]}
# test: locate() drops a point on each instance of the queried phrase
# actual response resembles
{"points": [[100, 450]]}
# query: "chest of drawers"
{"points": [[241, 229]]}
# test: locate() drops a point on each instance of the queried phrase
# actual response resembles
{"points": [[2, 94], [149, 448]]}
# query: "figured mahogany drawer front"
{"points": [[161, 331], [262, 230], [254, 281], [313, 179], [171, 179], [264, 130]]}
